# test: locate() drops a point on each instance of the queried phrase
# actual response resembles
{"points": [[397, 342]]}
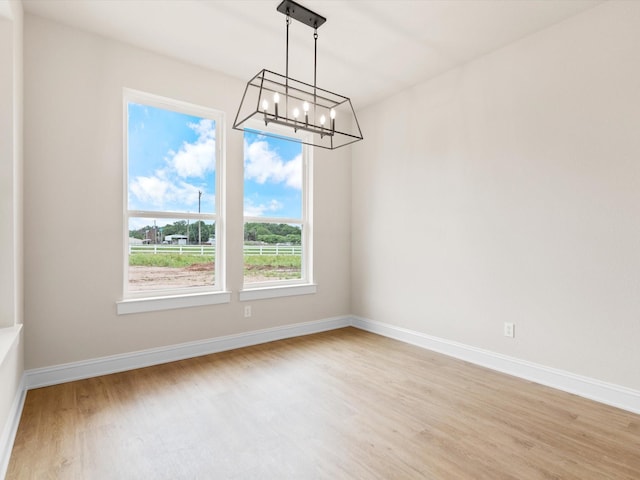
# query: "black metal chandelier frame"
{"points": [[317, 103]]}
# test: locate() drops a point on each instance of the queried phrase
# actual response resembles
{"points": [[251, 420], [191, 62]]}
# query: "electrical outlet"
{"points": [[247, 311], [509, 329]]}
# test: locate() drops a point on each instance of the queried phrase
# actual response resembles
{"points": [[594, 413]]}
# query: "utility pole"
{"points": [[199, 220]]}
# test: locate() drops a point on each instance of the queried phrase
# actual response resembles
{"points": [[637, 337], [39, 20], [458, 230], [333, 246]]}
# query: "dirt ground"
{"points": [[158, 278]]}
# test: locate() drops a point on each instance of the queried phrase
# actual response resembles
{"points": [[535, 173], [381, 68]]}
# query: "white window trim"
{"points": [[273, 291], [305, 285], [141, 301], [154, 304]]}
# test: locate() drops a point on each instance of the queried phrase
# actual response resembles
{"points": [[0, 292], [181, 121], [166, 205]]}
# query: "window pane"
{"points": [[166, 254], [272, 177], [171, 159], [272, 252]]}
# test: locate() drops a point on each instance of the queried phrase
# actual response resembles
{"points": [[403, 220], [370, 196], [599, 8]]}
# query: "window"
{"points": [[173, 229], [277, 212]]}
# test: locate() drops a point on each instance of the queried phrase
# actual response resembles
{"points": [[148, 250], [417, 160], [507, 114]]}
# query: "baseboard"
{"points": [[41, 377], [610, 394], [607, 393], [11, 428]]}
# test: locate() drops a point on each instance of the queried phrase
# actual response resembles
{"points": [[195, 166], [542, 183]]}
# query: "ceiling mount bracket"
{"points": [[301, 14]]}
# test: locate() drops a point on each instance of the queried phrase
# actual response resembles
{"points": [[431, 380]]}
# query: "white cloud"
{"points": [[167, 187], [205, 128], [197, 159], [160, 192], [149, 189], [252, 210], [264, 165]]}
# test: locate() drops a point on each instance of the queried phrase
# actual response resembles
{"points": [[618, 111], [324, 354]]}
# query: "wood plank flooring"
{"points": [[344, 404]]}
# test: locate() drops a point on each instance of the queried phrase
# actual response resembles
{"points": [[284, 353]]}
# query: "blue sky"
{"points": [[172, 157], [272, 177]]}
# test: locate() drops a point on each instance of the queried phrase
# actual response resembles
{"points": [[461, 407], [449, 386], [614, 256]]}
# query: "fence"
{"points": [[272, 250], [211, 250]]}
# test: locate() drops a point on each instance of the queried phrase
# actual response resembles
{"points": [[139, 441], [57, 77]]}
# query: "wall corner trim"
{"points": [[593, 389], [8, 337], [8, 434]]}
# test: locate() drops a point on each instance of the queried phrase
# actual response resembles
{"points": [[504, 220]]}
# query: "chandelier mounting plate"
{"points": [[301, 14]]}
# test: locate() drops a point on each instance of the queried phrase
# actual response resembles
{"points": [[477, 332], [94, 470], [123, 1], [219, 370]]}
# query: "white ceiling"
{"points": [[366, 50]]}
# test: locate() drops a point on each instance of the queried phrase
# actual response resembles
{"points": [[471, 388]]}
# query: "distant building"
{"points": [[175, 239]]}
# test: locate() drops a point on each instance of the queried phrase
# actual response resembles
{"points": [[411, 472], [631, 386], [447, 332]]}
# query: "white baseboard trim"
{"points": [[41, 377], [11, 428], [610, 394], [607, 393]]}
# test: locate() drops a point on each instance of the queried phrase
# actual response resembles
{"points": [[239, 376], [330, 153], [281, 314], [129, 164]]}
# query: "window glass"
{"points": [[172, 159], [272, 177], [276, 211], [166, 254], [272, 252]]}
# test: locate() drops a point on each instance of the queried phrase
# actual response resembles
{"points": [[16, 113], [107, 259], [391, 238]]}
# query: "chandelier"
{"points": [[294, 110]]}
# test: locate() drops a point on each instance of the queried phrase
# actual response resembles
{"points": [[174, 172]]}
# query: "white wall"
{"points": [[6, 174], [10, 163], [73, 203], [11, 300], [509, 190]]}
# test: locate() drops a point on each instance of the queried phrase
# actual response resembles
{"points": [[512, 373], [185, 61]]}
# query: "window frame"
{"points": [[140, 301], [305, 284]]}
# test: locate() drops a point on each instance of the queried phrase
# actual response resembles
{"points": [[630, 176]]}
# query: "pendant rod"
{"points": [[315, 67], [286, 87]]}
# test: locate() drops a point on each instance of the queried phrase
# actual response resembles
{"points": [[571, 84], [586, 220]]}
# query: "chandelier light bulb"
{"points": [[322, 120], [305, 107], [276, 97], [296, 112], [332, 114]]}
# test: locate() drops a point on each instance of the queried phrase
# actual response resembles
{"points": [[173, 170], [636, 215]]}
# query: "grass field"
{"points": [[167, 260]]}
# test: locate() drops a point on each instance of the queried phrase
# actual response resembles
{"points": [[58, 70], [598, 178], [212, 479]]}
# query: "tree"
{"points": [[273, 233]]}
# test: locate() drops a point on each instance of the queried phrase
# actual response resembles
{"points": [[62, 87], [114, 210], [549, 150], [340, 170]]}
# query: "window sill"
{"points": [[8, 336], [154, 304], [274, 292]]}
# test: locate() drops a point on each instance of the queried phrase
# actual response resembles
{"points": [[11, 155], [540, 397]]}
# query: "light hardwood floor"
{"points": [[345, 404]]}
